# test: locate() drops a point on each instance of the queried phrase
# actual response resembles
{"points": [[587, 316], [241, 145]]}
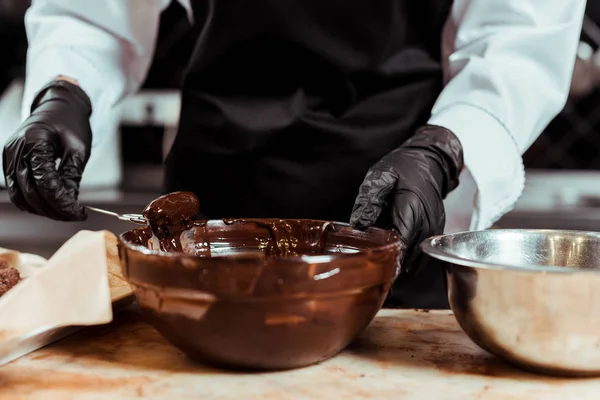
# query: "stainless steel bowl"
{"points": [[531, 297]]}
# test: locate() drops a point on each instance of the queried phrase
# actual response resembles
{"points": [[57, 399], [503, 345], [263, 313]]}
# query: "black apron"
{"points": [[287, 103]]}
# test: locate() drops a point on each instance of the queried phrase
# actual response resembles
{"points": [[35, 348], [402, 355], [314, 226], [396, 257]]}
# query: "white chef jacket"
{"points": [[507, 63]]}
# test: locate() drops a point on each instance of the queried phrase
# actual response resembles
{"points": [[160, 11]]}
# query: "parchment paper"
{"points": [[75, 287]]}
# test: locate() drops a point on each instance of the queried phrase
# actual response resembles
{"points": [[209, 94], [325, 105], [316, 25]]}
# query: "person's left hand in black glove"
{"points": [[405, 190]]}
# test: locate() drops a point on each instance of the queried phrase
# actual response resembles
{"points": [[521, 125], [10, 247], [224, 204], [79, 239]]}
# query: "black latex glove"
{"points": [[405, 190], [58, 128]]}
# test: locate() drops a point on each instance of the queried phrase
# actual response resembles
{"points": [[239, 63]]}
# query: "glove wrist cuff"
{"points": [[448, 149], [65, 90]]}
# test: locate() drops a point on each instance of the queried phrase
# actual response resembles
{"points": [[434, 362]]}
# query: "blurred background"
{"points": [[563, 165]]}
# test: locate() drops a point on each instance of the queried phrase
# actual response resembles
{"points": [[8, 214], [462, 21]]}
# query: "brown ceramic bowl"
{"points": [[237, 308]]}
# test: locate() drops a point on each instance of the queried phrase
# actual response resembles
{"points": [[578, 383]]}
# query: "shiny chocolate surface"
{"points": [[171, 214]]}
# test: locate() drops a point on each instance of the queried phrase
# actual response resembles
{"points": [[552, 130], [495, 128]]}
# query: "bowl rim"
{"points": [[312, 259], [428, 247]]}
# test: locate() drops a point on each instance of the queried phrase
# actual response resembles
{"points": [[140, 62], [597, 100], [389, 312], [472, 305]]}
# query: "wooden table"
{"points": [[402, 355]]}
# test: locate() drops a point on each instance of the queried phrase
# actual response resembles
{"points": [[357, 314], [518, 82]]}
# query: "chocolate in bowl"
{"points": [[234, 298]]}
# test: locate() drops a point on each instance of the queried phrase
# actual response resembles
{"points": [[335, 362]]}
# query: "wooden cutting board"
{"points": [[119, 288]]}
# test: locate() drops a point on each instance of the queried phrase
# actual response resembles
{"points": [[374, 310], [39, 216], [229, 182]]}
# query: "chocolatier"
{"points": [[334, 110]]}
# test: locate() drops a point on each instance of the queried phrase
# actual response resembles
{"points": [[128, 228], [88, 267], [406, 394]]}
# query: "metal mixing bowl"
{"points": [[531, 297]]}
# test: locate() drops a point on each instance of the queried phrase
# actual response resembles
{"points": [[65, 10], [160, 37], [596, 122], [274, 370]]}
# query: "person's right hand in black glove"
{"points": [[406, 188], [57, 129]]}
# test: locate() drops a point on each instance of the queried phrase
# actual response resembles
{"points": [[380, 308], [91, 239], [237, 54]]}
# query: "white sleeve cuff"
{"points": [[492, 159], [64, 61]]}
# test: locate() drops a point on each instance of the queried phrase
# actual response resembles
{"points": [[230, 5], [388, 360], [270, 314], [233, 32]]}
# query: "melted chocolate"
{"points": [[171, 214], [290, 238], [201, 240]]}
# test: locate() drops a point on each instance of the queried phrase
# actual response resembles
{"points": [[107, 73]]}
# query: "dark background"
{"points": [[571, 141]]}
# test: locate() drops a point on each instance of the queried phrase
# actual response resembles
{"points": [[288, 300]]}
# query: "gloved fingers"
{"points": [[372, 196], [26, 178], [58, 195], [71, 172], [12, 153], [407, 217], [415, 220]]}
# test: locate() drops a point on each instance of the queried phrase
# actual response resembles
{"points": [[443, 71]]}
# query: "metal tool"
{"points": [[530, 297], [135, 218]]}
